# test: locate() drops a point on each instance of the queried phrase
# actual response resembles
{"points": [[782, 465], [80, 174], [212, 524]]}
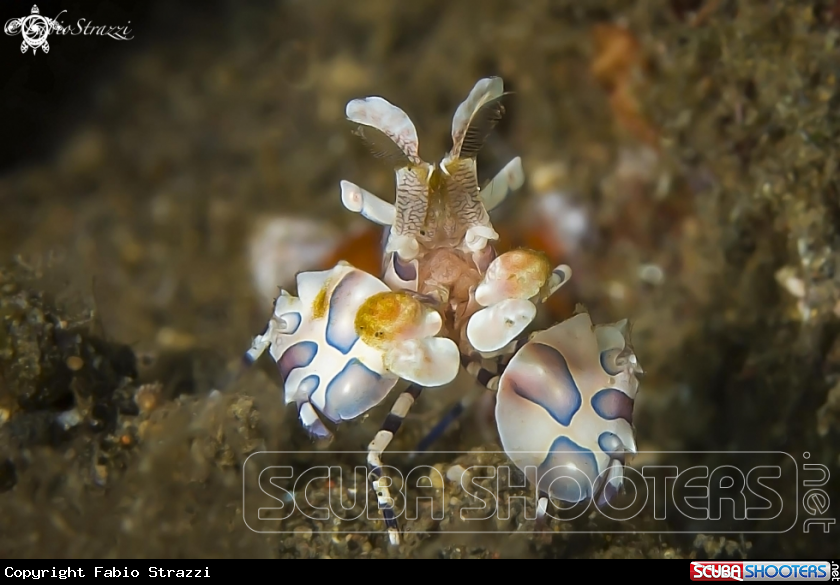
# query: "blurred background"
{"points": [[680, 156]]}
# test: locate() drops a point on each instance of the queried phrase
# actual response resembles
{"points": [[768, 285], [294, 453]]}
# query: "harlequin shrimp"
{"points": [[447, 301]]}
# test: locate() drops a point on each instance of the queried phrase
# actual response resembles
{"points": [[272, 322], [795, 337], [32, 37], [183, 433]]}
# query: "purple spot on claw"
{"points": [[540, 374], [307, 386], [299, 355], [611, 404], [569, 471]]}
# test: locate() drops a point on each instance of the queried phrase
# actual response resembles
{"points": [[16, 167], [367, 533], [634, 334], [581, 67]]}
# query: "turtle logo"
{"points": [[34, 29]]}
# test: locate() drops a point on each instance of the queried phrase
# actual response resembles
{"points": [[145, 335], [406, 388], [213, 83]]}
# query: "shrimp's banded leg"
{"points": [[487, 378], [379, 444]]}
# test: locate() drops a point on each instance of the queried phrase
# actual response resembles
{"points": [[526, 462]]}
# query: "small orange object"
{"points": [[617, 66], [362, 249], [540, 238], [507, 239], [75, 363]]}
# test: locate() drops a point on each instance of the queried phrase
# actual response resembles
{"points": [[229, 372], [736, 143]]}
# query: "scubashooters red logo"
{"points": [[709, 571]]}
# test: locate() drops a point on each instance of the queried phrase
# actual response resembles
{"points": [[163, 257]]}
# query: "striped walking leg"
{"points": [[487, 378], [374, 458]]}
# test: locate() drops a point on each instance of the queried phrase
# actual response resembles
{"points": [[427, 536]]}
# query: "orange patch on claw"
{"points": [[386, 315], [561, 304], [319, 305], [526, 262]]}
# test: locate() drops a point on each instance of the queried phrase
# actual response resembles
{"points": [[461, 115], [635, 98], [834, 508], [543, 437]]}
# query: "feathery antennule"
{"points": [[481, 125], [476, 117], [386, 129], [382, 147]]}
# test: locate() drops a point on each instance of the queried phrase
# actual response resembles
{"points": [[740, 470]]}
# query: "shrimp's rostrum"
{"points": [[445, 300]]}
